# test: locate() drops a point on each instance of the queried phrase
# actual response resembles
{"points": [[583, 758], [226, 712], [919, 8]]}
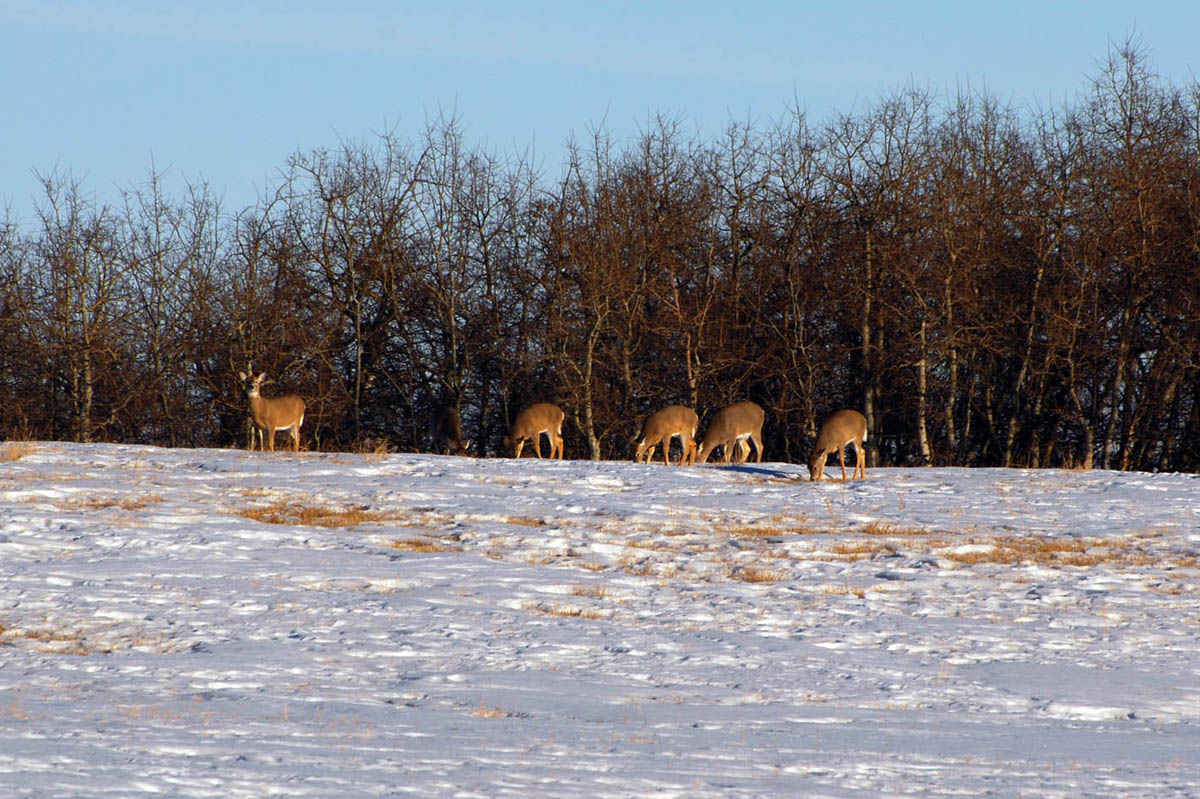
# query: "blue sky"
{"points": [[224, 91]]}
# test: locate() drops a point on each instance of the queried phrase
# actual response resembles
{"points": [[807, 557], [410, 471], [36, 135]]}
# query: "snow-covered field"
{"points": [[219, 623]]}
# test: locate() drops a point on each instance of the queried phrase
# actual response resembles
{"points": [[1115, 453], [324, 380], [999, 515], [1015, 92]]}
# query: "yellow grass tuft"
{"points": [[750, 574], [423, 545], [101, 503], [1046, 551], [317, 516], [526, 521], [845, 590], [490, 712], [16, 450], [592, 591], [861, 550], [765, 530], [565, 611], [637, 567], [52, 642]]}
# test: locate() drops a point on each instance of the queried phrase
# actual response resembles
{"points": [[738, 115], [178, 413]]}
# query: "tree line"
{"points": [[989, 285]]}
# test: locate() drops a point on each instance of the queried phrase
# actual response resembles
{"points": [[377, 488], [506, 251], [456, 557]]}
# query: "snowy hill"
{"points": [[218, 623]]}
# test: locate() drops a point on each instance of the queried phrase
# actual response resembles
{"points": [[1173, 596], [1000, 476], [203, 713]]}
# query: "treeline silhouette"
{"points": [[989, 285]]}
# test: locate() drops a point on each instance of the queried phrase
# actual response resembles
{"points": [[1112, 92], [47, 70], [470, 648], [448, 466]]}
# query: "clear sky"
{"points": [[225, 90]]}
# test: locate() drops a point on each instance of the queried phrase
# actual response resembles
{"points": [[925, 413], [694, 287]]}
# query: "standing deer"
{"points": [[841, 429], [664, 425], [271, 414], [447, 434], [730, 428], [539, 418]]}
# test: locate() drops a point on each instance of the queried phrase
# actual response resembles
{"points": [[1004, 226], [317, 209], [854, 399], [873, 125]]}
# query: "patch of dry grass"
{"points": [[564, 611], [287, 513], [592, 591], [52, 642], [773, 529], [103, 503], [637, 567], [526, 521], [844, 590], [15, 450], [894, 530], [423, 545], [751, 574], [861, 550], [1046, 551]]}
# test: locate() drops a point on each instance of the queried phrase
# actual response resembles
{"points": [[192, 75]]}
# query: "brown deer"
{"points": [[730, 428], [841, 429], [447, 433], [539, 418], [271, 414], [662, 426]]}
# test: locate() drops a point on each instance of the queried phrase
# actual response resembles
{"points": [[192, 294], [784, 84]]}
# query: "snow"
{"points": [[583, 629]]}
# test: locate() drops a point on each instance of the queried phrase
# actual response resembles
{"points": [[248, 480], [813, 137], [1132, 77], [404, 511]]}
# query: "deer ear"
{"points": [[241, 376], [467, 444], [263, 375]]}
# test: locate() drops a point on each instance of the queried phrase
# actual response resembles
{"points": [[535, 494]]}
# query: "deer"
{"points": [[271, 414], [731, 427], [447, 433], [841, 429], [662, 426], [541, 417]]}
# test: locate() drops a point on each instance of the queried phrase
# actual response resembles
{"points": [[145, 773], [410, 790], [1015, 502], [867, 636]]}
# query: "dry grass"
{"points": [[484, 712], [1046, 551], [637, 567], [592, 591], [765, 530], [861, 550], [283, 512], [564, 611], [526, 521], [844, 590], [750, 574], [423, 545], [371, 446], [14, 451], [52, 642], [102, 503]]}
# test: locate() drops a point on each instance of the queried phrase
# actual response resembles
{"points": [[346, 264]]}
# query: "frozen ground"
{"points": [[217, 623]]}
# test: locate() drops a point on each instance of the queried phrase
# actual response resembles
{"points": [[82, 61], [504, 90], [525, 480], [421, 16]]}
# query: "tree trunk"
{"points": [[922, 392]]}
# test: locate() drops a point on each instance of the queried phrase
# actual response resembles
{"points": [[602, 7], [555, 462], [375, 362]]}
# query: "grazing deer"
{"points": [[539, 418], [840, 430], [664, 425], [271, 414], [730, 428], [447, 434]]}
